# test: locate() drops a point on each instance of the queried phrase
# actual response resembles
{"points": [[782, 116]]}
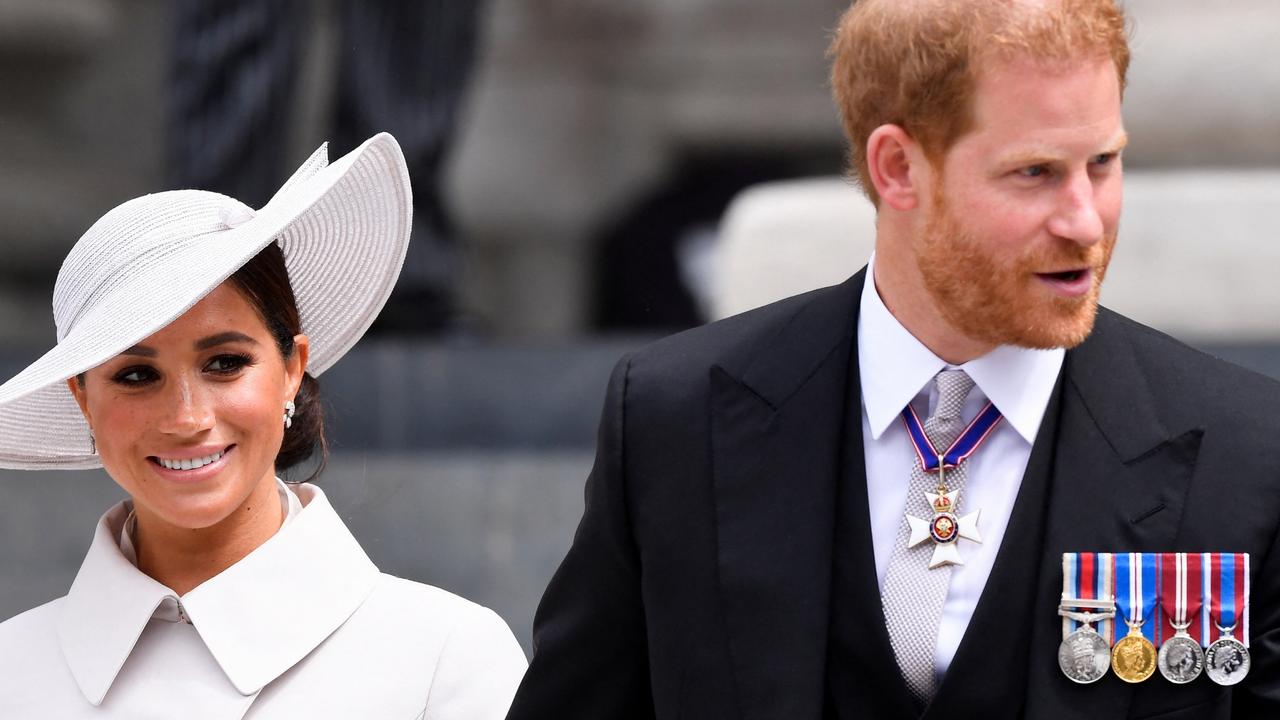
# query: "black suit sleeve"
{"points": [[1259, 695], [590, 656]]}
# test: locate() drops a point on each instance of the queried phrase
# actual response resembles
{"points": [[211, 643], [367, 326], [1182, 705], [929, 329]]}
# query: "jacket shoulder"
{"points": [[1194, 382], [29, 625], [32, 671], [472, 659], [733, 341], [438, 617]]}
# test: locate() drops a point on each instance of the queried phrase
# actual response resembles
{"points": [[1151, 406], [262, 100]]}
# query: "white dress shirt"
{"points": [[897, 369], [303, 626]]}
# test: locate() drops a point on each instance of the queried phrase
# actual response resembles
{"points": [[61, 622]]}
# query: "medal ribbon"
{"points": [[1180, 586], [1228, 585], [1135, 584], [961, 449], [1087, 576]]}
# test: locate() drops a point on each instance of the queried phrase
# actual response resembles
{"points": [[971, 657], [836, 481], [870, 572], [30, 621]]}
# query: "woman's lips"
{"points": [[1070, 283], [196, 474]]}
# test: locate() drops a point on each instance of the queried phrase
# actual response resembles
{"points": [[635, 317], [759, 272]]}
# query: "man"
{"points": [[756, 541]]}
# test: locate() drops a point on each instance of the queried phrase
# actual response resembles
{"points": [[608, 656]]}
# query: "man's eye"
{"points": [[1034, 171], [135, 376], [1104, 158], [227, 364]]}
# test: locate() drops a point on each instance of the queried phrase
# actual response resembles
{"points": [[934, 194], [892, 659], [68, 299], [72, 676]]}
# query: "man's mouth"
{"points": [[1069, 283], [1067, 276]]}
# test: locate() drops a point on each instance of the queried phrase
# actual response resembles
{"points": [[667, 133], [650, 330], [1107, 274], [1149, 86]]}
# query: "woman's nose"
{"points": [[190, 408]]}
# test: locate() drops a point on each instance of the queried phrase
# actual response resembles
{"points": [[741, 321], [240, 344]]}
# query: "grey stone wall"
{"points": [[576, 106]]}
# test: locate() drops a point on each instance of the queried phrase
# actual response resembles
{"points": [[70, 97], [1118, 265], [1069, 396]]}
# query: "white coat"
{"points": [[305, 626]]}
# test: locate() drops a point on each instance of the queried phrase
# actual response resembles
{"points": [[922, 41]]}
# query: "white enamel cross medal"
{"points": [[945, 527]]}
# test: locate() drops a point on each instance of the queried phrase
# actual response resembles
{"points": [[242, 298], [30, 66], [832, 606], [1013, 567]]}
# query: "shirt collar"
{"points": [[258, 618], [895, 367]]}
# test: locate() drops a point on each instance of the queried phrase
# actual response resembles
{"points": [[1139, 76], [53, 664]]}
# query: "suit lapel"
{"points": [[776, 423], [1120, 485]]}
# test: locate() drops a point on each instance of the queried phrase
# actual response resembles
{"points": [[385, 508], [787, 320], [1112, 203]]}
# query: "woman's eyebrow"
{"points": [[223, 338]]}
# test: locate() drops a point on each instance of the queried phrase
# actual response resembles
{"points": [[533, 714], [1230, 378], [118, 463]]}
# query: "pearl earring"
{"points": [[289, 409]]}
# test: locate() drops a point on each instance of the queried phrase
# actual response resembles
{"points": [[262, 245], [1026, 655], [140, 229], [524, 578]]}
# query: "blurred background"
{"points": [[579, 169]]}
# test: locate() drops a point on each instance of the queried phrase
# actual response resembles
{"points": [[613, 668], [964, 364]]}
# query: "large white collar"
{"points": [[258, 618], [894, 367]]}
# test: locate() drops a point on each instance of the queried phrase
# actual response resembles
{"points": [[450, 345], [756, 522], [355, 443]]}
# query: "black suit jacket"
{"points": [[698, 585]]}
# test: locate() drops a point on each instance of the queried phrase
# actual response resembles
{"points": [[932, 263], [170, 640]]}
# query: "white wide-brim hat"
{"points": [[343, 227]]}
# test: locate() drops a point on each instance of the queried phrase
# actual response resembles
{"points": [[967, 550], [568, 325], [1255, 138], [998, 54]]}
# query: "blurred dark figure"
{"points": [[651, 267], [403, 67]]}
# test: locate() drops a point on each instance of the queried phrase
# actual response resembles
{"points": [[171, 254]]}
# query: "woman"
{"points": [[190, 329]]}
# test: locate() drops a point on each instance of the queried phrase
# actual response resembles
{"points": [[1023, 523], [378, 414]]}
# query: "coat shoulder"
{"points": [[428, 601], [681, 363], [473, 660], [33, 626], [32, 671], [1195, 382], [439, 618]]}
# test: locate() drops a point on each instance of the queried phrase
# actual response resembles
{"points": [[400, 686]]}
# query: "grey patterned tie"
{"points": [[913, 594]]}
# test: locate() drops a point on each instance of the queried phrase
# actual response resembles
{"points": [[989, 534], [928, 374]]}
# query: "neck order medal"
{"points": [[946, 527]]}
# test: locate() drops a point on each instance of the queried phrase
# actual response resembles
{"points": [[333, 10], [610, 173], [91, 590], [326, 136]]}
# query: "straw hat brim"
{"points": [[344, 230]]}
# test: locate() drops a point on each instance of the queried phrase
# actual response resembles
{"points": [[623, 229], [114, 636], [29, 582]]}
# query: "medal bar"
{"points": [[1175, 605]]}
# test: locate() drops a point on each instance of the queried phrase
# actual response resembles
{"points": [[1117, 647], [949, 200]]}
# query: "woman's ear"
{"points": [[895, 161], [76, 385], [295, 366]]}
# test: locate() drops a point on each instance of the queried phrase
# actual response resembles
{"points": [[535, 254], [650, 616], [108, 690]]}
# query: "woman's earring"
{"points": [[93, 443], [289, 408]]}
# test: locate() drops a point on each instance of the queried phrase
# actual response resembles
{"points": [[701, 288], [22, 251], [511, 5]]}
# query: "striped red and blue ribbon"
{"points": [[964, 446]]}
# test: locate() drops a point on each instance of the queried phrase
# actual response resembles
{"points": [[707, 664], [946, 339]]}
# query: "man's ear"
{"points": [[895, 162]]}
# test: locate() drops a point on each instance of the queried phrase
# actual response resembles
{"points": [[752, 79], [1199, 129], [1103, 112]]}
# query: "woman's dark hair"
{"points": [[264, 282]]}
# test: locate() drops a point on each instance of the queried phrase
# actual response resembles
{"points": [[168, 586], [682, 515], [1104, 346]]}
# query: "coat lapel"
{"points": [[776, 424], [1120, 485]]}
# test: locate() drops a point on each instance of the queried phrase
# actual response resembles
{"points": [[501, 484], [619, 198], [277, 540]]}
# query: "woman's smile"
{"points": [[192, 464]]}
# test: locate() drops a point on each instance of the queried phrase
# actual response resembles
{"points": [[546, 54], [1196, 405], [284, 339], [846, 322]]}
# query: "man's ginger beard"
{"points": [[998, 299]]}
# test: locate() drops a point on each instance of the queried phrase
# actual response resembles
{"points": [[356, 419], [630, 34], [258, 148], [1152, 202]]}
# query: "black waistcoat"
{"points": [[987, 677]]}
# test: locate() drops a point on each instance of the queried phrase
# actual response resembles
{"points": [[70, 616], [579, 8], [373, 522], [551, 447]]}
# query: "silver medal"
{"points": [[1180, 660], [1084, 656], [1227, 660]]}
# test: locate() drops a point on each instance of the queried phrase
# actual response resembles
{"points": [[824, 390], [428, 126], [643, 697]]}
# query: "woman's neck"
{"points": [[183, 558]]}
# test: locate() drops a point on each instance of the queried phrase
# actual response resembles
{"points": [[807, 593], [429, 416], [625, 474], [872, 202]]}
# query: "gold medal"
{"points": [[1133, 659]]}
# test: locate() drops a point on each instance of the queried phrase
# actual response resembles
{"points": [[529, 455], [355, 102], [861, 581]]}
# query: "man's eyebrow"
{"points": [[223, 338], [1118, 144], [1044, 155]]}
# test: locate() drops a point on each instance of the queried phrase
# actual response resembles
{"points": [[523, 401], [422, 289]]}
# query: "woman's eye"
{"points": [[135, 376], [227, 364]]}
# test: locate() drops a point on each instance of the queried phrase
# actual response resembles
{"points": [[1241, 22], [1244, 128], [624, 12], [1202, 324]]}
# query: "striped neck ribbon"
{"points": [[964, 446]]}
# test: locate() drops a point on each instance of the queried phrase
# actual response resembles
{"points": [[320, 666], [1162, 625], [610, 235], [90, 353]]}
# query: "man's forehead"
{"points": [[1037, 111]]}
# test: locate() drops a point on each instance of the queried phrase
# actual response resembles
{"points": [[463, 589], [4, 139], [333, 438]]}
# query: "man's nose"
{"points": [[1077, 218]]}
